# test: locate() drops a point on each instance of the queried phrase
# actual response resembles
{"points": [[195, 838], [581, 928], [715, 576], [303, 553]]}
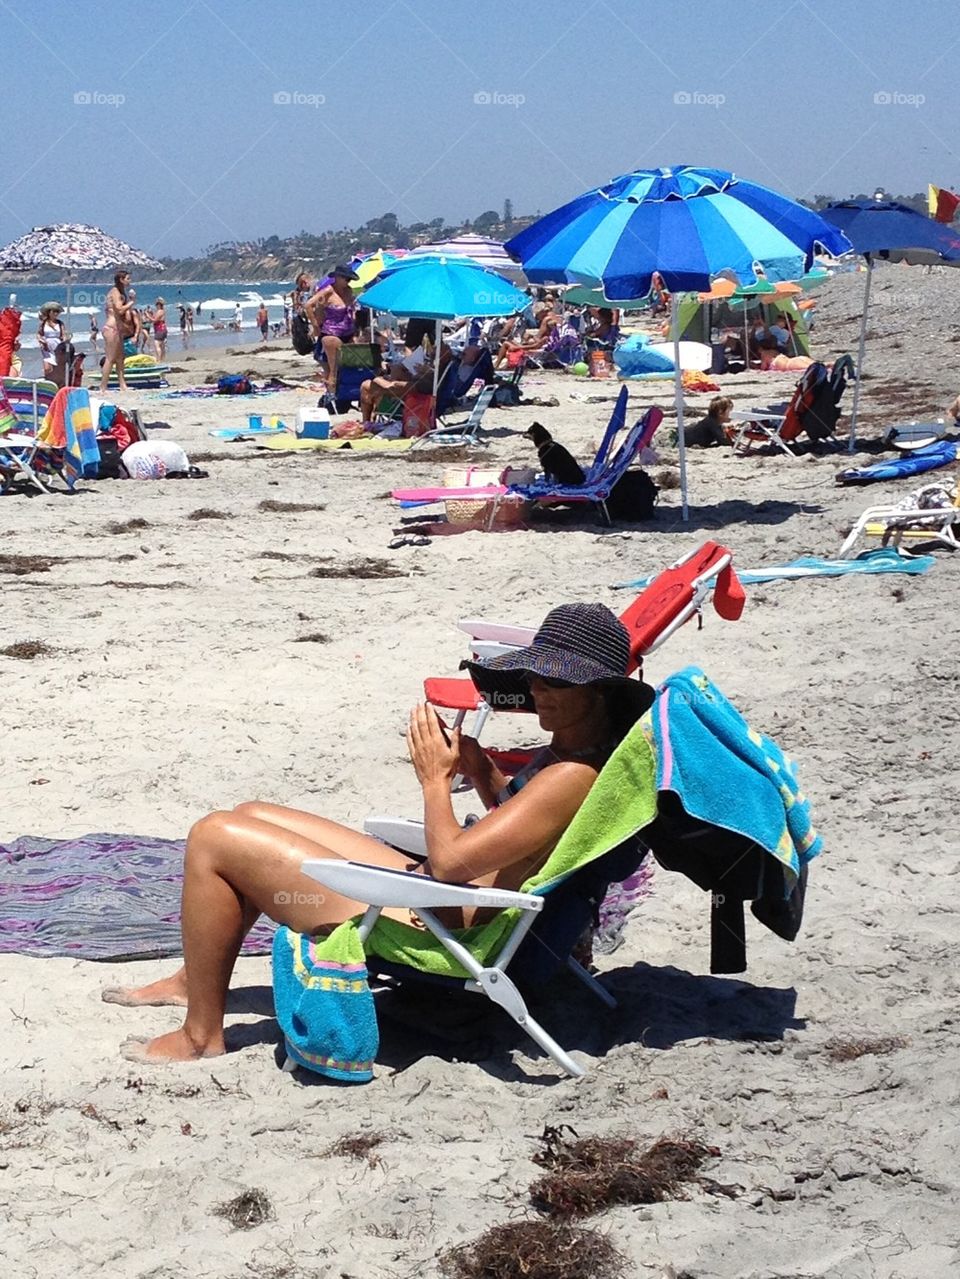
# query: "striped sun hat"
{"points": [[580, 644]]}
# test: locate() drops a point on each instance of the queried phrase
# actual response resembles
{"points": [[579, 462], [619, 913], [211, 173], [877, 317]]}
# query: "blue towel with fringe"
{"points": [[324, 1003], [727, 774]]}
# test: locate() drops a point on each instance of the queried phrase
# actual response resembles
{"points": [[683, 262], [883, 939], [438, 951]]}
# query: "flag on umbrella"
{"points": [[942, 205]]}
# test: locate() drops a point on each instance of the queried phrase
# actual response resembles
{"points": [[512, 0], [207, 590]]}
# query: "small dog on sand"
{"points": [[558, 463]]}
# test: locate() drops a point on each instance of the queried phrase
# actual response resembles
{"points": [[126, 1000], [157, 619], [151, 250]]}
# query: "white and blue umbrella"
{"points": [[689, 225], [482, 249], [71, 247], [440, 288]]}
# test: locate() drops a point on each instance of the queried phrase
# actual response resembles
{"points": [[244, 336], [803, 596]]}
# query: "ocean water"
{"points": [[216, 301]]}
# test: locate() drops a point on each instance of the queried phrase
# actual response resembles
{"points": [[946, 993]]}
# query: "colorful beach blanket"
{"points": [[106, 897], [68, 425]]}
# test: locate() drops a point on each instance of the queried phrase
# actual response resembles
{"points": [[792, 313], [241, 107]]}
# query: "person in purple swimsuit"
{"points": [[331, 313]]}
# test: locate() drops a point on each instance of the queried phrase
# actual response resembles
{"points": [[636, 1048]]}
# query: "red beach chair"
{"points": [[671, 599]]}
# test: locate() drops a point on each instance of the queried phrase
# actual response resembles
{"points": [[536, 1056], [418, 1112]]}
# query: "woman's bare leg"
{"points": [[238, 865], [331, 349]]}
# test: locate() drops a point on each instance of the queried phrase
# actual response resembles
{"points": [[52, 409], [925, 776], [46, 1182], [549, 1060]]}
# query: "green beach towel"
{"points": [[621, 802]]}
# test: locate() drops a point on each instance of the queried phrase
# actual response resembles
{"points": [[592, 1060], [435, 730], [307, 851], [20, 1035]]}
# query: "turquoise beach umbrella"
{"points": [[439, 288]]}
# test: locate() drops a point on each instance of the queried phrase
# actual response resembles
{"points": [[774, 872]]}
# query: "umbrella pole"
{"points": [[678, 399], [863, 342], [69, 301], [436, 363]]}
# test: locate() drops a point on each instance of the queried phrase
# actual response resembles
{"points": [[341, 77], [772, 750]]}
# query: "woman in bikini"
{"points": [[246, 862], [331, 313], [118, 310], [160, 328]]}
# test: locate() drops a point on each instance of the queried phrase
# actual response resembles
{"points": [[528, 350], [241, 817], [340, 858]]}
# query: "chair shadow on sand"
{"points": [[658, 1008]]}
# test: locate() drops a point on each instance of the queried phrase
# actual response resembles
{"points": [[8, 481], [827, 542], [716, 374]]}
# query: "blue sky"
{"points": [[179, 124]]}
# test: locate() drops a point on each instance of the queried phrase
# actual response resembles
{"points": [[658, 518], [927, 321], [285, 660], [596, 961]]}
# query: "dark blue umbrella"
{"points": [[686, 224], [896, 233]]}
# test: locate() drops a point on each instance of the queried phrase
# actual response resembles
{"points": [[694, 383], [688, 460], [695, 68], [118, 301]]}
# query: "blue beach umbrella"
{"points": [[440, 288], [896, 233], [688, 224]]}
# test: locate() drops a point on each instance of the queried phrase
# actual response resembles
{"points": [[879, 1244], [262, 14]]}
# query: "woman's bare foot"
{"points": [[175, 1046], [169, 990]]}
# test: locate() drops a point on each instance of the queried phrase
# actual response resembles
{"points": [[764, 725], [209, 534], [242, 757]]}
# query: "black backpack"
{"points": [[634, 498], [300, 335]]}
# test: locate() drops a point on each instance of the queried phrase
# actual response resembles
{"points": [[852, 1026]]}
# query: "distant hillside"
{"points": [[274, 258]]}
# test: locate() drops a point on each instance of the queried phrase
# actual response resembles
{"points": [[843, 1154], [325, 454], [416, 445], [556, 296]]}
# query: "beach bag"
{"points": [[634, 499], [234, 384], [506, 396], [300, 335], [110, 467], [418, 413], [154, 460]]}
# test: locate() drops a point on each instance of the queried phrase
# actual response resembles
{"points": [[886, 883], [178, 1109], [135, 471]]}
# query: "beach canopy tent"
{"points": [[441, 288], [689, 225], [896, 233], [71, 247], [483, 250]]}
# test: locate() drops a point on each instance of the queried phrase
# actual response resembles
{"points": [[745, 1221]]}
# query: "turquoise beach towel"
{"points": [[728, 775], [884, 560], [324, 1004]]}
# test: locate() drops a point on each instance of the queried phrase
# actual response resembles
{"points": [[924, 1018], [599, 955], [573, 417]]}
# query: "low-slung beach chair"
{"points": [[604, 475], [21, 452], [893, 523], [814, 408], [670, 601], [465, 432], [537, 927]]}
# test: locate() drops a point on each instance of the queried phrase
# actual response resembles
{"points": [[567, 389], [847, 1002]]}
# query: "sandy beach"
{"points": [[197, 660]]}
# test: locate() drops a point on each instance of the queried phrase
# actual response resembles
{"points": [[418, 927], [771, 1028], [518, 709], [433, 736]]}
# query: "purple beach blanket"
{"points": [[106, 897]]}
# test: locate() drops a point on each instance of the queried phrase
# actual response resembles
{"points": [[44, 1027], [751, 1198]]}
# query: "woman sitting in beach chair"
{"points": [[248, 862]]}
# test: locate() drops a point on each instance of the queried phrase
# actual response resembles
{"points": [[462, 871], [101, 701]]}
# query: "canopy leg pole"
{"points": [[863, 343], [678, 399]]}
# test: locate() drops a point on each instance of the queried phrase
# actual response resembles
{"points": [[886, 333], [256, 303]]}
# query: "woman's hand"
{"points": [[474, 761], [433, 757]]}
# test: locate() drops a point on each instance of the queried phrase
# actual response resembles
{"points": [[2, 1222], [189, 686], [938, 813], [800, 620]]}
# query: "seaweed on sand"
{"points": [[587, 1174], [534, 1250], [248, 1210], [364, 566]]}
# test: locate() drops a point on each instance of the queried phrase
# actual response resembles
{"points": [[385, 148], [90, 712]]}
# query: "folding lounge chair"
{"points": [[465, 432], [671, 600], [893, 523], [21, 452], [623, 817], [552, 910], [814, 408], [597, 487]]}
